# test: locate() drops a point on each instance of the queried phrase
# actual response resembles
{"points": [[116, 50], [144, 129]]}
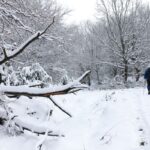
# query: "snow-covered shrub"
{"points": [[108, 83], [29, 75], [64, 80], [35, 74], [5, 72], [32, 75], [117, 82]]}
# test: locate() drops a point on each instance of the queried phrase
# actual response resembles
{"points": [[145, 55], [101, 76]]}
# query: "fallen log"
{"points": [[45, 92]]}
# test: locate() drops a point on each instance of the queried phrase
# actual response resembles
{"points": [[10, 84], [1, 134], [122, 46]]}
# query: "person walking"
{"points": [[147, 78]]}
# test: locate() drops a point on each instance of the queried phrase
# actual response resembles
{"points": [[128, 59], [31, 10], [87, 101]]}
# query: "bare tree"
{"points": [[124, 31]]}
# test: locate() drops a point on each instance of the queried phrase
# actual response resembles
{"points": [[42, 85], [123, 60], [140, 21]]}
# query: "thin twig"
{"points": [[59, 107]]}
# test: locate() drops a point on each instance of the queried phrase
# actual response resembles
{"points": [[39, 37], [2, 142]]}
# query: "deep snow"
{"points": [[102, 120]]}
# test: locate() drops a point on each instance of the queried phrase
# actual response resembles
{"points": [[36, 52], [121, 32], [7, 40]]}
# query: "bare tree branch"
{"points": [[21, 48], [52, 100]]}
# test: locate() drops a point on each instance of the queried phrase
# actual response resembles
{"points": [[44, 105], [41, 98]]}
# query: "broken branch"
{"points": [[45, 92]]}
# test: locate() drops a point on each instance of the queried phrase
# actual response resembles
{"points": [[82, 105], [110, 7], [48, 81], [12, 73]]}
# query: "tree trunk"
{"points": [[137, 74], [97, 74], [125, 73]]}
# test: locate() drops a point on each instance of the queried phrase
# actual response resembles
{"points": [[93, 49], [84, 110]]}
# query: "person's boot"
{"points": [[148, 92]]}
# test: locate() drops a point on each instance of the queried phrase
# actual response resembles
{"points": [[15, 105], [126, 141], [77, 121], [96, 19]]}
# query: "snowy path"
{"points": [[144, 112], [112, 120], [106, 120]]}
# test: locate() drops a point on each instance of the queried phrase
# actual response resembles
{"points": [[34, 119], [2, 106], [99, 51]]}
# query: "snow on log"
{"points": [[35, 127], [45, 92]]}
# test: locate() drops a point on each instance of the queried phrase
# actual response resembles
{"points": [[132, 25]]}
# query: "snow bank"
{"points": [[106, 120]]}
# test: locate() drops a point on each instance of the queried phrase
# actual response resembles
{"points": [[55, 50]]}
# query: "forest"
{"points": [[85, 78]]}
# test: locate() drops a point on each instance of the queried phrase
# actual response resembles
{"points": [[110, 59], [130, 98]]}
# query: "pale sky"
{"points": [[82, 10]]}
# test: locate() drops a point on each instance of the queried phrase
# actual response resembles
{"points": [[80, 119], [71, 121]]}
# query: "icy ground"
{"points": [[102, 120]]}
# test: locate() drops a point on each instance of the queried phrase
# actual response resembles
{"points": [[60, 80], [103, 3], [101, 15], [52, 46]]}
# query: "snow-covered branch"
{"points": [[7, 56], [34, 127], [45, 92]]}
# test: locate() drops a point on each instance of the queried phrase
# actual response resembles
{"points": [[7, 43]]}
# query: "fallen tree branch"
{"points": [[60, 107], [50, 133], [34, 127], [45, 92]]}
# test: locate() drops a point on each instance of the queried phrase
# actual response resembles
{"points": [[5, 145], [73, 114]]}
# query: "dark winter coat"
{"points": [[147, 74]]}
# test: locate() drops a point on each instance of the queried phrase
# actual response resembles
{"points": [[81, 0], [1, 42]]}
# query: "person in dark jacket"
{"points": [[147, 78]]}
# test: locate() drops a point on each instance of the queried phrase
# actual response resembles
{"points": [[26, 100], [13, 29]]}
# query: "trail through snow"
{"points": [[106, 120]]}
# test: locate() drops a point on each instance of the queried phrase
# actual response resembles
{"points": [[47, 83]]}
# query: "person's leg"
{"points": [[148, 86]]}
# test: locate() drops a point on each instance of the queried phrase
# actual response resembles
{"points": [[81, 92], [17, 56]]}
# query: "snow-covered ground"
{"points": [[102, 120]]}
